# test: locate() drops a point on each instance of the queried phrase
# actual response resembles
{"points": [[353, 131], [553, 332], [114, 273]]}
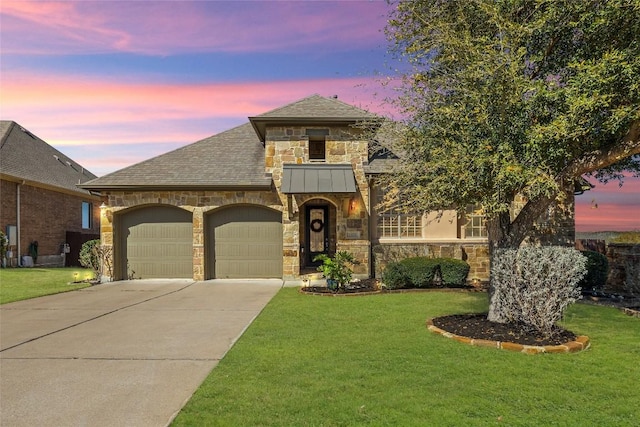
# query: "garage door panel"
{"points": [[158, 243], [245, 242]]}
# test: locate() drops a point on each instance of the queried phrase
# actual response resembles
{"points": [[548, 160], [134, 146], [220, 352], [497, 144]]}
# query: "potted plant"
{"points": [[336, 269]]}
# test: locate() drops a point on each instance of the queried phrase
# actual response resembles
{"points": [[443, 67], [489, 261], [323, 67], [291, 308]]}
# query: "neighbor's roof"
{"points": [[25, 157], [314, 109], [234, 158]]}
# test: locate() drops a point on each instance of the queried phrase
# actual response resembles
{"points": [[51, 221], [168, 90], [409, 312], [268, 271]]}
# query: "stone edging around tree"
{"points": [[581, 343], [631, 312]]}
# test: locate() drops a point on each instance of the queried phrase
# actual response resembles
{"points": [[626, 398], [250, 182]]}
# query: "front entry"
{"points": [[317, 233]]}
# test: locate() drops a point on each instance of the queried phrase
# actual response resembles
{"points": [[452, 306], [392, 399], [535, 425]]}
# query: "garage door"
{"points": [[156, 242], [244, 242]]}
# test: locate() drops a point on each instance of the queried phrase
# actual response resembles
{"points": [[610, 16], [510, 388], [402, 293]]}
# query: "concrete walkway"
{"points": [[127, 353]]}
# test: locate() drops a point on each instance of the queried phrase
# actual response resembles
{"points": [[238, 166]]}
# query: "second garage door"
{"points": [[244, 242]]}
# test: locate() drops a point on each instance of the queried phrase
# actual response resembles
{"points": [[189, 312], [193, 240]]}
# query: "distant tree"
{"points": [[513, 97]]}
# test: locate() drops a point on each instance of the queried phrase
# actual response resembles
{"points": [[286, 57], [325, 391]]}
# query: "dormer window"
{"points": [[317, 144]]}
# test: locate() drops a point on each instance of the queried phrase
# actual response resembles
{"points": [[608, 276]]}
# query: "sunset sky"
{"points": [[112, 83]]}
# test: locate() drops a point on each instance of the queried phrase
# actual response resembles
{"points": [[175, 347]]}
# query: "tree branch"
{"points": [[591, 162]]}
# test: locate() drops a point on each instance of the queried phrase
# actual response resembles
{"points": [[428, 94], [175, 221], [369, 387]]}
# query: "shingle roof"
{"points": [[26, 157], [313, 109], [234, 158]]}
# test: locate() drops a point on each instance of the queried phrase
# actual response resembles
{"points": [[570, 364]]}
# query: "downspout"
{"points": [[20, 184]]}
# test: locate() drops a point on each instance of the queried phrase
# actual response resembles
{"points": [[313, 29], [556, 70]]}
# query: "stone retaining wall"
{"points": [[624, 268]]}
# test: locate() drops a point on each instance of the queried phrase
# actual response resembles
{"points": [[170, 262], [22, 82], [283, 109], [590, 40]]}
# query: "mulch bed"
{"points": [[477, 326]]}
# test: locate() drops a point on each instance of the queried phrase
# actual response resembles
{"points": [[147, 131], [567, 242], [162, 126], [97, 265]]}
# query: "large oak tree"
{"points": [[511, 97]]}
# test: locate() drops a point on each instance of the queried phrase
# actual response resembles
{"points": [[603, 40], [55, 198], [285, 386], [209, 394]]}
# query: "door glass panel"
{"points": [[316, 230]]}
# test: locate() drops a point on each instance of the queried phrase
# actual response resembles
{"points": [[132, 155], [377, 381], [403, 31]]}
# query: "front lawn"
{"points": [[324, 361], [23, 283]]}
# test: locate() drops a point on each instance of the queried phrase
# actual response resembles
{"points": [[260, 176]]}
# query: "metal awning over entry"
{"points": [[318, 178]]}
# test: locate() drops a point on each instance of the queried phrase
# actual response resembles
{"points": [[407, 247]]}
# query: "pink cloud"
{"points": [[84, 114], [162, 28], [610, 207]]}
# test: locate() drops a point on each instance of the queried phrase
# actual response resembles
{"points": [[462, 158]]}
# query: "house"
{"points": [[43, 211], [263, 199]]}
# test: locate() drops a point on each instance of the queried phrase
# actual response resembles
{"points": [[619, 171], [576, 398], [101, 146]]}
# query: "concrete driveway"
{"points": [[126, 353]]}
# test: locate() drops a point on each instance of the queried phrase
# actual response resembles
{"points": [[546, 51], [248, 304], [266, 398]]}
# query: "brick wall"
{"points": [[45, 217]]}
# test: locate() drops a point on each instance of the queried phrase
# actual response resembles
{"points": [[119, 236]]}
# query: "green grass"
{"points": [[319, 361], [17, 284]]}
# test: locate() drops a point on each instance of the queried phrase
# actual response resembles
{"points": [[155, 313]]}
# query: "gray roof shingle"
{"points": [[313, 109], [231, 159], [234, 158], [24, 156]]}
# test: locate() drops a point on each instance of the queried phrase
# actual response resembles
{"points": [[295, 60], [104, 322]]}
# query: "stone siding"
{"points": [[199, 203], [475, 254]]}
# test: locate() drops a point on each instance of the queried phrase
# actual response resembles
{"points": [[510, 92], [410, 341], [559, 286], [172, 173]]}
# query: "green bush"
{"points": [[395, 276], [597, 270], [89, 256], [453, 271], [420, 271]]}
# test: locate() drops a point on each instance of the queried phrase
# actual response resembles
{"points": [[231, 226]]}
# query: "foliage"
{"points": [[453, 271], [391, 356], [421, 272], [394, 276], [597, 270], [96, 257], [513, 97], [627, 237], [89, 257], [25, 283], [337, 269], [534, 285], [4, 245]]}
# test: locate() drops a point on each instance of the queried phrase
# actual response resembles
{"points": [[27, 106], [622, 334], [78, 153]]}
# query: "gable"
{"points": [[25, 157]]}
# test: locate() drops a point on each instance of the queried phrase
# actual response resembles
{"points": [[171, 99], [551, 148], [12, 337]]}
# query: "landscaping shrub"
{"points": [[97, 257], [89, 256], [597, 270], [453, 271], [534, 285], [420, 271], [395, 276]]}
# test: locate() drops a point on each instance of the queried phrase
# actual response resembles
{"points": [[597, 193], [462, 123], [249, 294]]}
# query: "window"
{"points": [[317, 148], [396, 224], [317, 144], [87, 215], [475, 225]]}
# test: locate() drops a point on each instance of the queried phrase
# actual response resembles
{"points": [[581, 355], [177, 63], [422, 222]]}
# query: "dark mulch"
{"points": [[362, 286], [477, 326]]}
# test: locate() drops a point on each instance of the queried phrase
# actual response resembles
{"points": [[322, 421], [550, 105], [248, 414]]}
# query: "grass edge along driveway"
{"points": [[309, 360], [18, 284]]}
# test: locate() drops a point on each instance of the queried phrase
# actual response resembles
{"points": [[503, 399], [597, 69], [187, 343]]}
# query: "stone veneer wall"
{"points": [[343, 145], [198, 203], [624, 268], [476, 254]]}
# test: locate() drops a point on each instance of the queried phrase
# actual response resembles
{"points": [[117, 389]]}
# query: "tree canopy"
{"points": [[508, 97]]}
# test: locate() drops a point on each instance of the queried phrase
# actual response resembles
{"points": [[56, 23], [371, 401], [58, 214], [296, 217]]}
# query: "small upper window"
{"points": [[317, 150], [317, 143], [87, 215]]}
